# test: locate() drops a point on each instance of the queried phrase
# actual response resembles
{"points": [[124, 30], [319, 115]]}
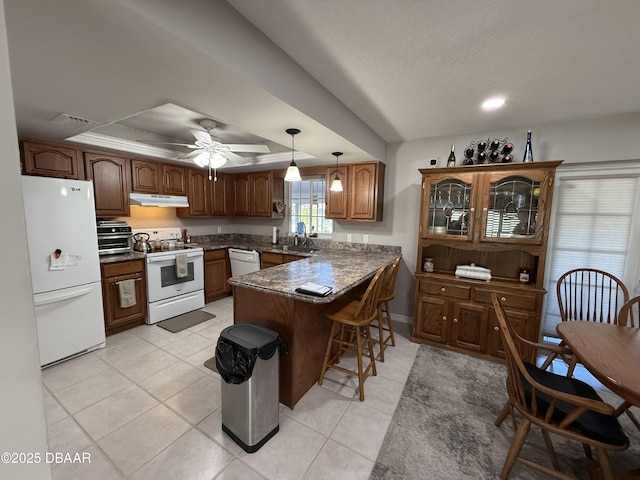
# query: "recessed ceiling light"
{"points": [[493, 103]]}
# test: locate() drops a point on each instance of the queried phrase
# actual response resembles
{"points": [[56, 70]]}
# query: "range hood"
{"points": [[153, 200]]}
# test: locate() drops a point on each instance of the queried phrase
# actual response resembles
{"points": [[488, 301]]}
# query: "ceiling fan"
{"points": [[209, 152]]}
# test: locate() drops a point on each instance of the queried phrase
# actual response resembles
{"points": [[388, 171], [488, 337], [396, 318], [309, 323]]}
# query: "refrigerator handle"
{"points": [[61, 298]]}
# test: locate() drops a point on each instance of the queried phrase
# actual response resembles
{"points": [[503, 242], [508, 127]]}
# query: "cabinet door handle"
{"points": [[455, 320], [503, 299], [485, 209], [443, 289], [444, 319], [134, 279], [497, 329], [473, 209]]}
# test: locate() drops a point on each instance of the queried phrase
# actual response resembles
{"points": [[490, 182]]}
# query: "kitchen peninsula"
{"points": [[268, 298]]}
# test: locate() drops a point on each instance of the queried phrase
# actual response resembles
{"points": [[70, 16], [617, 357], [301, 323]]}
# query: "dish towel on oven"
{"points": [[127, 291], [181, 265]]}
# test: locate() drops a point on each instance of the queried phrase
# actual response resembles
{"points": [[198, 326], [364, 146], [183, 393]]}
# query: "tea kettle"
{"points": [[141, 245]]}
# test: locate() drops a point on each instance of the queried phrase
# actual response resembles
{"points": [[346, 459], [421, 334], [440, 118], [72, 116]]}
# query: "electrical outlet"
{"points": [[348, 237], [365, 238], [219, 229]]}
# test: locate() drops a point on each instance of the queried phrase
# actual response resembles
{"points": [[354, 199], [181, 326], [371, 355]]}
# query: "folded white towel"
{"points": [[127, 291], [182, 270]]}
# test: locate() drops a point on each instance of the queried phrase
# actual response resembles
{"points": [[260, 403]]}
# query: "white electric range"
{"points": [[168, 294]]}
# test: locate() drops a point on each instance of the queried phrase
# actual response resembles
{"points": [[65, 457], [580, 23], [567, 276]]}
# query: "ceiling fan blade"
{"points": [[204, 137], [190, 145], [191, 154], [236, 158], [235, 147]]}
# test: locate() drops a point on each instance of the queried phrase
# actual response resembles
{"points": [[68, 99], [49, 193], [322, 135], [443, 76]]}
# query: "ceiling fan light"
{"points": [[202, 159], [216, 160], [293, 173], [336, 185]]}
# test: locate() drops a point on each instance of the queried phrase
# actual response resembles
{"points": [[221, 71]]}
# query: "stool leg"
{"points": [[325, 363], [381, 339], [388, 315], [359, 354]]}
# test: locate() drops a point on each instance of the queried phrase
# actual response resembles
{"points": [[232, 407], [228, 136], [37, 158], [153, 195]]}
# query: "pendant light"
{"points": [[336, 185], [293, 174]]}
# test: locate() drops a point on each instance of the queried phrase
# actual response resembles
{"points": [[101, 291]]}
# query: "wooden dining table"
{"points": [[610, 352]]}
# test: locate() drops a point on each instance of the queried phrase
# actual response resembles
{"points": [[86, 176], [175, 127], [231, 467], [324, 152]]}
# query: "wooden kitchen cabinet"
{"points": [[116, 318], [362, 197], [158, 178], [174, 180], [255, 193], [51, 160], [271, 259], [198, 193], [222, 193], [217, 270], [494, 216], [111, 179], [145, 176]]}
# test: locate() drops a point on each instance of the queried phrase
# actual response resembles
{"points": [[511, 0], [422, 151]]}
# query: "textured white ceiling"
{"points": [[413, 69], [352, 75]]}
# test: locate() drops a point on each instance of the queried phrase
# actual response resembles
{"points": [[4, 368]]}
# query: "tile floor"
{"points": [[145, 407]]}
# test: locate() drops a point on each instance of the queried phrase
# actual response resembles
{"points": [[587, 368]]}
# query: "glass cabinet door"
{"points": [[449, 212], [511, 209]]}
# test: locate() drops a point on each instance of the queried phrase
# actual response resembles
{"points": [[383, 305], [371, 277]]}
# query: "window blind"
{"points": [[592, 229]]}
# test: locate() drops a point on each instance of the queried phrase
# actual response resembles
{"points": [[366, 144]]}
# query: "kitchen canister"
{"points": [[427, 265]]}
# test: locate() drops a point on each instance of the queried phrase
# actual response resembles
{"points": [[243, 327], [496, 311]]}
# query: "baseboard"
{"points": [[401, 318]]}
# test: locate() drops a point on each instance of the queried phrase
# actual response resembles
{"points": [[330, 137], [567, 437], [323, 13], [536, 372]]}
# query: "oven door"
{"points": [[162, 281]]}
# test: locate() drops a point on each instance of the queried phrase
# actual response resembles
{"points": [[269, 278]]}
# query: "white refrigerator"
{"points": [[65, 267]]}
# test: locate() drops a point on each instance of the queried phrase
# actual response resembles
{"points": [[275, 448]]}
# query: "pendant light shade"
{"points": [[336, 185], [293, 174]]}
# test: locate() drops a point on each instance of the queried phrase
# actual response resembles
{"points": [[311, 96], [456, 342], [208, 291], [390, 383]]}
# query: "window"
{"points": [[595, 226], [307, 205]]}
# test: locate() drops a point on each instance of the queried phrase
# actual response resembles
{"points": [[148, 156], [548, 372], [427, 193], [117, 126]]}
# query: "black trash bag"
{"points": [[234, 365]]}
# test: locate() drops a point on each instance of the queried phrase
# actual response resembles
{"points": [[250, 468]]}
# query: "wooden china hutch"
{"points": [[493, 216]]}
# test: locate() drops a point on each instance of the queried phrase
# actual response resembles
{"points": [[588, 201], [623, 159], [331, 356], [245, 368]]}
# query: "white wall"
{"points": [[587, 140], [22, 422]]}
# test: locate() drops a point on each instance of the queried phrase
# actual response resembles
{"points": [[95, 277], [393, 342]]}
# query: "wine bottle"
{"points": [[493, 156], [482, 145], [507, 158], [508, 148], [494, 145], [528, 152], [451, 161], [482, 157]]}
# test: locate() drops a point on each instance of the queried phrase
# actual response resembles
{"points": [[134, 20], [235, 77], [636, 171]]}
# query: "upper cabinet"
{"points": [[158, 178], [51, 160], [507, 205], [255, 193], [174, 180], [222, 195], [363, 192], [111, 180], [198, 193]]}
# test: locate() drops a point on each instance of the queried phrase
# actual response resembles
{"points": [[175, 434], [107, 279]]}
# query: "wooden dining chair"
{"points": [[350, 331], [557, 404], [383, 321], [629, 316], [588, 294]]}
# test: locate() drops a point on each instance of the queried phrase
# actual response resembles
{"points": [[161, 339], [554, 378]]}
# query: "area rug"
{"points": [[211, 364], [184, 321], [443, 426]]}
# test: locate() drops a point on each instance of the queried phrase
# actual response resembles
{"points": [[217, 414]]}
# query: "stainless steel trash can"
{"points": [[247, 358]]}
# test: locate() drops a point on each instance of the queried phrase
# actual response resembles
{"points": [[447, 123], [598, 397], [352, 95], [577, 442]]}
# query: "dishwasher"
{"points": [[243, 261]]}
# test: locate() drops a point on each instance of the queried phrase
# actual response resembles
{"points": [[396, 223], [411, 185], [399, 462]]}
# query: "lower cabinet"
{"points": [[270, 259], [459, 314], [217, 271], [117, 318]]}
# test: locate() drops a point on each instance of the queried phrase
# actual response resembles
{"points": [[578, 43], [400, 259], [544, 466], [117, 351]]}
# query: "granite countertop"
{"points": [[338, 269], [122, 257], [327, 264]]}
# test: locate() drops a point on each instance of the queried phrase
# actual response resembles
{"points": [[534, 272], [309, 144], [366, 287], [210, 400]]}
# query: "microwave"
{"points": [[114, 237]]}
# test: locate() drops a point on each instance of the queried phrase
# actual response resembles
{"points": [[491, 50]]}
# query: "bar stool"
{"points": [[387, 293], [350, 329]]}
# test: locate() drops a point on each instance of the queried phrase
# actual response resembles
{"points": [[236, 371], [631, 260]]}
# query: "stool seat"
{"points": [[350, 331]]}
